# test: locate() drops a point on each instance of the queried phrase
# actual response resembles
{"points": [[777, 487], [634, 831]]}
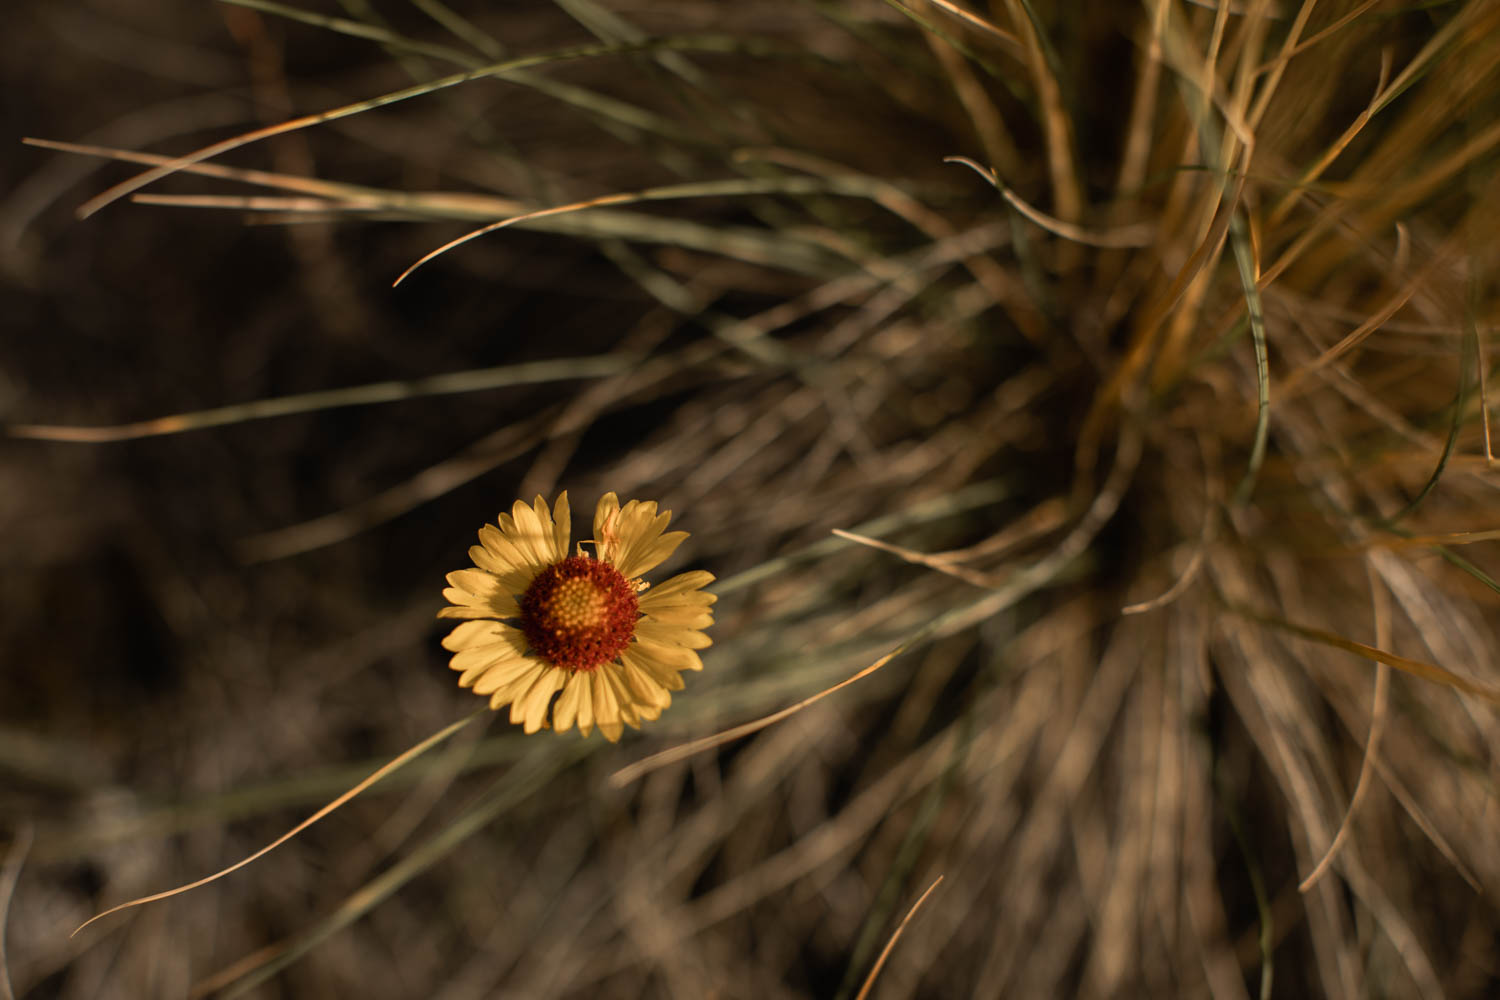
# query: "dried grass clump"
{"points": [[1143, 364]]}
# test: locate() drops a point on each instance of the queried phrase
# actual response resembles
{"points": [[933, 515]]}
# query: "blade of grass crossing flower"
{"points": [[393, 765]]}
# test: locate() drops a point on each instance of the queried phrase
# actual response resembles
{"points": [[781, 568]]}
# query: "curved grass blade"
{"points": [[394, 764], [474, 380], [687, 43], [509, 790]]}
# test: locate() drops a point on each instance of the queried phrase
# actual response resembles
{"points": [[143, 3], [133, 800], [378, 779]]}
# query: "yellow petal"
{"points": [[531, 536], [684, 588], [460, 611], [585, 701], [476, 633], [659, 672], [641, 545], [531, 708], [573, 695], [606, 709], [514, 578], [644, 690], [675, 658], [607, 527], [477, 588], [562, 526], [474, 656], [630, 708], [684, 618], [506, 674], [501, 543], [668, 634]]}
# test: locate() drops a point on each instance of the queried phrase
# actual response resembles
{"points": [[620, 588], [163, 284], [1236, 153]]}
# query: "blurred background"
{"points": [[1145, 626]]}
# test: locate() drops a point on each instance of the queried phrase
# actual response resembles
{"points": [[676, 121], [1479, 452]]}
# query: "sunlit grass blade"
{"points": [[1417, 668], [516, 785], [694, 43], [885, 953], [396, 763]]}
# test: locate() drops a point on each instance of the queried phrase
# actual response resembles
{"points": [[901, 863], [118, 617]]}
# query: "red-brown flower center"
{"points": [[579, 613]]}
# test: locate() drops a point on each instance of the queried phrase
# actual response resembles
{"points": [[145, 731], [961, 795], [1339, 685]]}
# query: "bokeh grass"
{"points": [[1142, 361]]}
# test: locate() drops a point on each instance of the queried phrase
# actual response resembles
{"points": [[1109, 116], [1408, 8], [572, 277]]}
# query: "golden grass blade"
{"points": [[287, 182], [919, 558], [1380, 597], [738, 187], [1019, 585], [1417, 668], [1067, 189], [743, 243], [393, 765], [981, 494], [1449, 538], [657, 761], [885, 953], [975, 21], [475, 380], [695, 43], [513, 787], [244, 203]]}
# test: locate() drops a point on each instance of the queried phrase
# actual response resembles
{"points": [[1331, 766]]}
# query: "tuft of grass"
{"points": [[1069, 518]]}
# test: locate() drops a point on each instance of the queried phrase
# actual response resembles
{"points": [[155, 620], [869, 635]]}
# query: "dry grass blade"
{"points": [[712, 189], [1381, 601], [477, 380], [657, 761], [869, 984], [1417, 668], [704, 43], [395, 764], [1122, 238]]}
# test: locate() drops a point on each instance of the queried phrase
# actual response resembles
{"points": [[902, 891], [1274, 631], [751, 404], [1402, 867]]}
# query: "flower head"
{"points": [[542, 621]]}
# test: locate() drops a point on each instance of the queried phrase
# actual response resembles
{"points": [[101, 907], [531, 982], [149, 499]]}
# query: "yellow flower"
{"points": [[543, 621]]}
